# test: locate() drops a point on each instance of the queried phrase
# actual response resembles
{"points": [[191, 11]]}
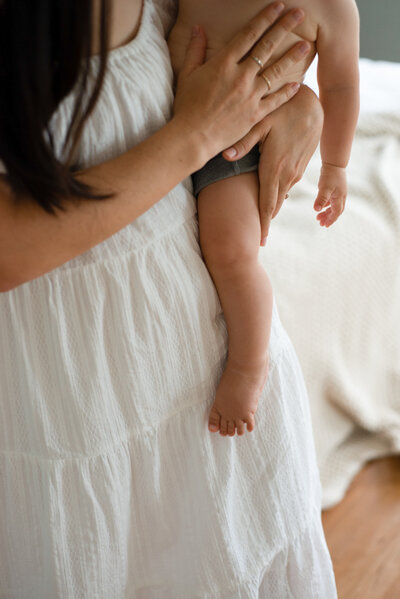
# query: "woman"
{"points": [[112, 337]]}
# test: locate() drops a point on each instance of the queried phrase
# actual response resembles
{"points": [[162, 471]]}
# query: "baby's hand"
{"points": [[332, 194]]}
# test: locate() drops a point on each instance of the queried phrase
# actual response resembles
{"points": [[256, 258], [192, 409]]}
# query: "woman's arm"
{"points": [[206, 120], [288, 138], [33, 242]]}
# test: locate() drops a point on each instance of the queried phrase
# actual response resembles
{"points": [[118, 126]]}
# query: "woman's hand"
{"points": [[288, 138], [217, 103], [224, 98]]}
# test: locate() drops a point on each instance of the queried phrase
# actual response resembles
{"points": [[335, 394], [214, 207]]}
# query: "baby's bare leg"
{"points": [[230, 232]]}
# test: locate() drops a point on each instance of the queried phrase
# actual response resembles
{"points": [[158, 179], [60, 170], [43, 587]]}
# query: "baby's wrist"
{"points": [[332, 165]]}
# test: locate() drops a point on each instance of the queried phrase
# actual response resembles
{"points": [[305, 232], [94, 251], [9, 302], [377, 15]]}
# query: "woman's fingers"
{"points": [[267, 201], [244, 145], [264, 49], [270, 79], [281, 197], [273, 101], [260, 130], [195, 52], [244, 41]]}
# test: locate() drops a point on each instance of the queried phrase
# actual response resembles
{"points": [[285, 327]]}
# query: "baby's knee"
{"points": [[229, 253]]}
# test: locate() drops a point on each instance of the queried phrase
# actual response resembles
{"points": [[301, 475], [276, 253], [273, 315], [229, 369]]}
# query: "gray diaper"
{"points": [[218, 168]]}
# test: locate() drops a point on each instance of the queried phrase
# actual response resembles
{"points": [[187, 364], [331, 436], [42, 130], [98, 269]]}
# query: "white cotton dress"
{"points": [[111, 485]]}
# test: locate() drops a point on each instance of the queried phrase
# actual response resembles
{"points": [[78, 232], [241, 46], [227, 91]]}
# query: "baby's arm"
{"points": [[338, 80]]}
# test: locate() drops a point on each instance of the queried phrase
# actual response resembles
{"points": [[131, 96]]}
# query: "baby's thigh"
{"points": [[229, 220]]}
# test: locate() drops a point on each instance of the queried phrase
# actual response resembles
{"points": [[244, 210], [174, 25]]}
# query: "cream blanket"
{"points": [[338, 293]]}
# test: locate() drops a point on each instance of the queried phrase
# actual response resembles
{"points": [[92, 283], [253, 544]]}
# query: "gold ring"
{"points": [[257, 60], [267, 81]]}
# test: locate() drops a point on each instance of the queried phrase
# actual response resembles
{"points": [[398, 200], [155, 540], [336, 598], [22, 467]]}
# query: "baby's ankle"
{"points": [[251, 369]]}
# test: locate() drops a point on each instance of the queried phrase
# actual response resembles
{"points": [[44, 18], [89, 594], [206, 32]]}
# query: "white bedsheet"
{"points": [[379, 84], [338, 291]]}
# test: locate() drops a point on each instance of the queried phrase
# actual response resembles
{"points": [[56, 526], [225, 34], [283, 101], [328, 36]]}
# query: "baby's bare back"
{"points": [[222, 19]]}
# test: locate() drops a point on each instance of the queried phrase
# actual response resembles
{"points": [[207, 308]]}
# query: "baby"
{"points": [[227, 192]]}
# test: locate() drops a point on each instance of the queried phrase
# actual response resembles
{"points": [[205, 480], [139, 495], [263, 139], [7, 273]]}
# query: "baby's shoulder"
{"points": [[330, 13], [325, 12]]}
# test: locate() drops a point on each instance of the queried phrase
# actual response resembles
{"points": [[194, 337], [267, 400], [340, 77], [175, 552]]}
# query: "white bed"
{"points": [[379, 83], [338, 291]]}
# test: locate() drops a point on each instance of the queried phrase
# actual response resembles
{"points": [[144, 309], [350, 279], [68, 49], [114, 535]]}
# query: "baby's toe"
{"points": [[213, 420], [231, 428], [250, 422], [223, 427], [240, 427]]}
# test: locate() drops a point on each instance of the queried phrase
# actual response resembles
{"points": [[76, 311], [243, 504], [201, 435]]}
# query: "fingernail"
{"points": [[263, 242], [295, 87], [298, 14], [279, 7], [231, 153], [213, 428], [304, 48], [195, 31]]}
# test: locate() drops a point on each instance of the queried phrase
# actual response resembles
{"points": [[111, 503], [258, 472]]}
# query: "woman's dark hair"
{"points": [[45, 49]]}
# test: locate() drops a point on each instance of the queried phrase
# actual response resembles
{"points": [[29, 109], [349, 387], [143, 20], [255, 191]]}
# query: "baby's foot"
{"points": [[236, 399]]}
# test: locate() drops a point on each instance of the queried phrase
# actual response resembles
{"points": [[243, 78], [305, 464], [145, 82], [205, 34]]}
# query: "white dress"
{"points": [[111, 485]]}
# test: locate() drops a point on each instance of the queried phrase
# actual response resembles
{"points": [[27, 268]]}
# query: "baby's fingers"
{"points": [[332, 213], [323, 216], [323, 198]]}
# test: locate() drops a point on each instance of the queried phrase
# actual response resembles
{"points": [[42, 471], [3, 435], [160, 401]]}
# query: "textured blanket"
{"points": [[338, 294]]}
